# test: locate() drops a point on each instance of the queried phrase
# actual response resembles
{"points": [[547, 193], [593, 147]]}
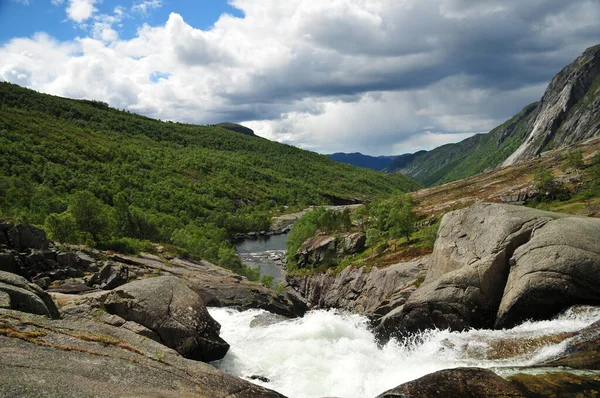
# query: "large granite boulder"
{"points": [[470, 266], [18, 294], [40, 357], [558, 267], [168, 307], [459, 382]]}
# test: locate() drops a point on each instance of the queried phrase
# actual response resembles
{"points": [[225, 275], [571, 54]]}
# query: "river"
{"points": [[266, 252], [330, 353]]}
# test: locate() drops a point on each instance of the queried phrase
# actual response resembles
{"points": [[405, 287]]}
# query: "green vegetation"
{"points": [[319, 219], [91, 174], [481, 152], [390, 226]]}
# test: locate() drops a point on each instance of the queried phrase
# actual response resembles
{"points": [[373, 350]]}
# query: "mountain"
{"points": [[366, 161], [569, 112], [236, 127], [94, 174]]}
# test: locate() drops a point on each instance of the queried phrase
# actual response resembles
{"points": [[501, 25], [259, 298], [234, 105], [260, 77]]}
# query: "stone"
{"points": [[582, 351], [109, 277], [24, 236], [470, 266], [459, 382], [100, 360], [27, 297], [9, 264], [5, 301], [168, 307], [557, 268], [43, 282], [67, 260], [560, 384], [322, 249]]}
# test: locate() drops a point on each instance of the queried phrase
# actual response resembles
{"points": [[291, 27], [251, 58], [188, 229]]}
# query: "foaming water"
{"points": [[330, 353]]}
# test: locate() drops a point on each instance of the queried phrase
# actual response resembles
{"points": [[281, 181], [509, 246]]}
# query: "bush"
{"points": [[127, 245], [62, 227]]}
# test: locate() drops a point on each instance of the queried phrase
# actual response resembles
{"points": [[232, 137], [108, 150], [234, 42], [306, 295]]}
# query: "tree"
{"points": [[374, 237], [90, 214], [401, 222], [62, 227]]}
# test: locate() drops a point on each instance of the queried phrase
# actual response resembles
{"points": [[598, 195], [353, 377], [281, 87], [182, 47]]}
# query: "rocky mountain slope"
{"points": [[569, 112]]}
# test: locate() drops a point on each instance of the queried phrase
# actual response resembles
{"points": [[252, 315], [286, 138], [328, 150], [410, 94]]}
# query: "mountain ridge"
{"points": [[569, 112]]}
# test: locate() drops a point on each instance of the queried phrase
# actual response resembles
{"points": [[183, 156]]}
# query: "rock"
{"points": [[67, 260], [43, 282], [557, 268], [23, 237], [322, 249], [562, 117], [459, 382], [583, 351], [168, 307], [5, 301], [71, 288], [373, 292], [470, 266], [9, 264], [109, 277], [558, 384], [38, 354], [351, 243], [25, 296]]}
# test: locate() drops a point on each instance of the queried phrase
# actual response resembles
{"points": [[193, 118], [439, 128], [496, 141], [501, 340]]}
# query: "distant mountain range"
{"points": [[568, 113]]}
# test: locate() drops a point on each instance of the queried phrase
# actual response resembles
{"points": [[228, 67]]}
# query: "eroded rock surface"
{"points": [[18, 294], [459, 382], [496, 264], [168, 307], [40, 357]]}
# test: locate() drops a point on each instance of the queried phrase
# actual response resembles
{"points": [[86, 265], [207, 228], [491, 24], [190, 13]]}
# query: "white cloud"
{"points": [[81, 10], [57, 2], [143, 6], [377, 76]]}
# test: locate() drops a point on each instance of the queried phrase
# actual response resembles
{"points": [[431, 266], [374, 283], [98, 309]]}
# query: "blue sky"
{"points": [[382, 77], [20, 18]]}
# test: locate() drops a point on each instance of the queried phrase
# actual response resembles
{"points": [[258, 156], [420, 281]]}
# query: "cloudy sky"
{"points": [[377, 76]]}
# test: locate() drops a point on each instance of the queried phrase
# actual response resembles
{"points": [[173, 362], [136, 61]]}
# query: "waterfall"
{"points": [[331, 353]]}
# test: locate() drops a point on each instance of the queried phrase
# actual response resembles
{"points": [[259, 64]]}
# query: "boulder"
{"points": [[38, 355], [168, 307], [109, 277], [557, 268], [459, 382], [25, 296], [558, 384], [24, 236], [470, 266]]}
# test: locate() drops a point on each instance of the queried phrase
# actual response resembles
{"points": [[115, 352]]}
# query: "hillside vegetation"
{"points": [[90, 173]]}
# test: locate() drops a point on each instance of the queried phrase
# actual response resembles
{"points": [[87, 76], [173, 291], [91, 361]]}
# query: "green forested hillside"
{"points": [[92, 173], [481, 152]]}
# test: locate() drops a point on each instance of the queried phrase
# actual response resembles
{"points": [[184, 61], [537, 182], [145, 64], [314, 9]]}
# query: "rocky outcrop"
{"points": [[323, 249], [168, 307], [37, 355], [373, 292], [18, 294], [558, 267], [459, 382], [568, 111], [484, 269], [559, 384], [582, 351]]}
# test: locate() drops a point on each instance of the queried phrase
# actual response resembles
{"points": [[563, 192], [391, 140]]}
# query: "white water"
{"points": [[328, 353]]}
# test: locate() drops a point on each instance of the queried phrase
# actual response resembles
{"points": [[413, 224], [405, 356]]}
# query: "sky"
{"points": [[381, 77]]}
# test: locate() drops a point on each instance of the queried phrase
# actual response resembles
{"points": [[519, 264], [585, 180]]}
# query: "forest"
{"points": [[108, 178]]}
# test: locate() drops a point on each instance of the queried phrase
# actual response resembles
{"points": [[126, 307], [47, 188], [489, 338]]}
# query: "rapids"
{"points": [[331, 353]]}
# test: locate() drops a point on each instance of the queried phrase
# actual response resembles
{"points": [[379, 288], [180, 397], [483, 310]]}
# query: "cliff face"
{"points": [[569, 111]]}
